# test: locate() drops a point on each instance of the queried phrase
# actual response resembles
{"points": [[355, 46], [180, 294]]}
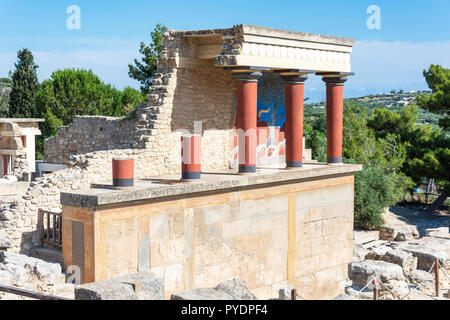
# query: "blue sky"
{"points": [[413, 34]]}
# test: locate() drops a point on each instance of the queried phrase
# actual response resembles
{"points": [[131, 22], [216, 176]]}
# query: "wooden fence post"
{"points": [[294, 294], [436, 274], [375, 290]]}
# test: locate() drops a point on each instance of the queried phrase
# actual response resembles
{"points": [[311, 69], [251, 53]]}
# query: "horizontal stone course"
{"points": [[95, 198]]}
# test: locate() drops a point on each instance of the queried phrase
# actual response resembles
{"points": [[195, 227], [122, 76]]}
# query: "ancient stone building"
{"points": [[289, 223], [195, 82], [18, 145]]}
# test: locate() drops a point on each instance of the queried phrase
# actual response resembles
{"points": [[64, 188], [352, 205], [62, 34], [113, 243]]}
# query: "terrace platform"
{"points": [[272, 228]]}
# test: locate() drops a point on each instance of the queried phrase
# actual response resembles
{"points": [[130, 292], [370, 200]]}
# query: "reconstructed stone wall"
{"points": [[88, 134], [299, 234], [177, 98], [210, 97]]}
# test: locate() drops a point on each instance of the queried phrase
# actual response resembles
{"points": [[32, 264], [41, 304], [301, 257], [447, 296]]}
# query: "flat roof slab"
{"points": [[254, 46], [157, 188]]}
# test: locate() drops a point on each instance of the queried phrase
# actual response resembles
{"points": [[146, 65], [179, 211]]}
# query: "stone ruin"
{"points": [[196, 83], [193, 65]]}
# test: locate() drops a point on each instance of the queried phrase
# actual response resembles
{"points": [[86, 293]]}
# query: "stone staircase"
{"points": [[147, 115], [47, 254]]}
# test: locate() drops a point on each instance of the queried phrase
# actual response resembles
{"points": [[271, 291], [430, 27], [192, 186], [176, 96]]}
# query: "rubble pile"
{"points": [[403, 267]]}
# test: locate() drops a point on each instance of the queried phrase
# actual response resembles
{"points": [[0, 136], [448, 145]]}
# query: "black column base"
{"points": [[335, 160], [123, 182], [247, 169], [294, 164], [191, 175]]}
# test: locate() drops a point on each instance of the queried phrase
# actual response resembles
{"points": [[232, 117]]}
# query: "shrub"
{"points": [[374, 191]]}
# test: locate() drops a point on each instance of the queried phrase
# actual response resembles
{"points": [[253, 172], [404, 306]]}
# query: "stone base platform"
{"points": [[272, 229]]}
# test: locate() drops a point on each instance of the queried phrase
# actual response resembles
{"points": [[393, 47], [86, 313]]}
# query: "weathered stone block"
{"points": [[361, 272], [427, 252], [237, 288], [146, 285], [105, 290], [399, 233], [344, 297], [5, 241], [377, 253], [202, 294], [424, 280], [402, 258]]}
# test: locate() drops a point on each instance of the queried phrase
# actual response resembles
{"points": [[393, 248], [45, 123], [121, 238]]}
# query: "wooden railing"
{"points": [[30, 294], [50, 228]]}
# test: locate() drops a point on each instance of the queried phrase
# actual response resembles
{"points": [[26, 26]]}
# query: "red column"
{"points": [[294, 97], [191, 155], [335, 118], [247, 92], [123, 172]]}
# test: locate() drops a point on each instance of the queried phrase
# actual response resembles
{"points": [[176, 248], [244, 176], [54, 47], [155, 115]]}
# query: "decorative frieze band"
{"points": [[263, 50]]}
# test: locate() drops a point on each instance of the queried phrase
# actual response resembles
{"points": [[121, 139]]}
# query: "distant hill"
{"points": [[393, 101]]}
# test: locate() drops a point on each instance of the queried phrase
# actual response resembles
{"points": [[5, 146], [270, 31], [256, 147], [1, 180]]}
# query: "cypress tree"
{"points": [[25, 86]]}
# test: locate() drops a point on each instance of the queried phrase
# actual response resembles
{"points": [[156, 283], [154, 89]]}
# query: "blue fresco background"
{"points": [[271, 103]]}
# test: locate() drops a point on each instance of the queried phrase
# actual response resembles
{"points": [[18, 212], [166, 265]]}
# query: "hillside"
{"points": [[392, 101]]}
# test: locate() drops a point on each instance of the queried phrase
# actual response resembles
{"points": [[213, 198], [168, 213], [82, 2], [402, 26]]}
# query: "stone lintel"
{"points": [[335, 74], [289, 72], [245, 45], [295, 35], [239, 69]]}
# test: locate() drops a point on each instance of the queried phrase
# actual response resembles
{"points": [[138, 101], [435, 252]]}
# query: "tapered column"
{"points": [[294, 97], [191, 157], [247, 93], [335, 118]]}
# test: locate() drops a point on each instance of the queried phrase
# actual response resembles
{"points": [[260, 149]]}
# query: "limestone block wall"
{"points": [[88, 134], [299, 234], [208, 97]]}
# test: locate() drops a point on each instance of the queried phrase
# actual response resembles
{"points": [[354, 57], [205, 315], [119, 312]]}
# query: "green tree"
{"points": [[382, 153], [131, 98], [359, 142], [416, 151], [24, 88], [385, 121], [144, 70], [6, 82], [321, 123], [428, 155], [5, 90], [317, 142], [438, 80]]}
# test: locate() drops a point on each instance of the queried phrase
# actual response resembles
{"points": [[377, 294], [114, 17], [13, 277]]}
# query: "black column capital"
{"points": [[294, 79], [247, 76], [335, 81]]}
